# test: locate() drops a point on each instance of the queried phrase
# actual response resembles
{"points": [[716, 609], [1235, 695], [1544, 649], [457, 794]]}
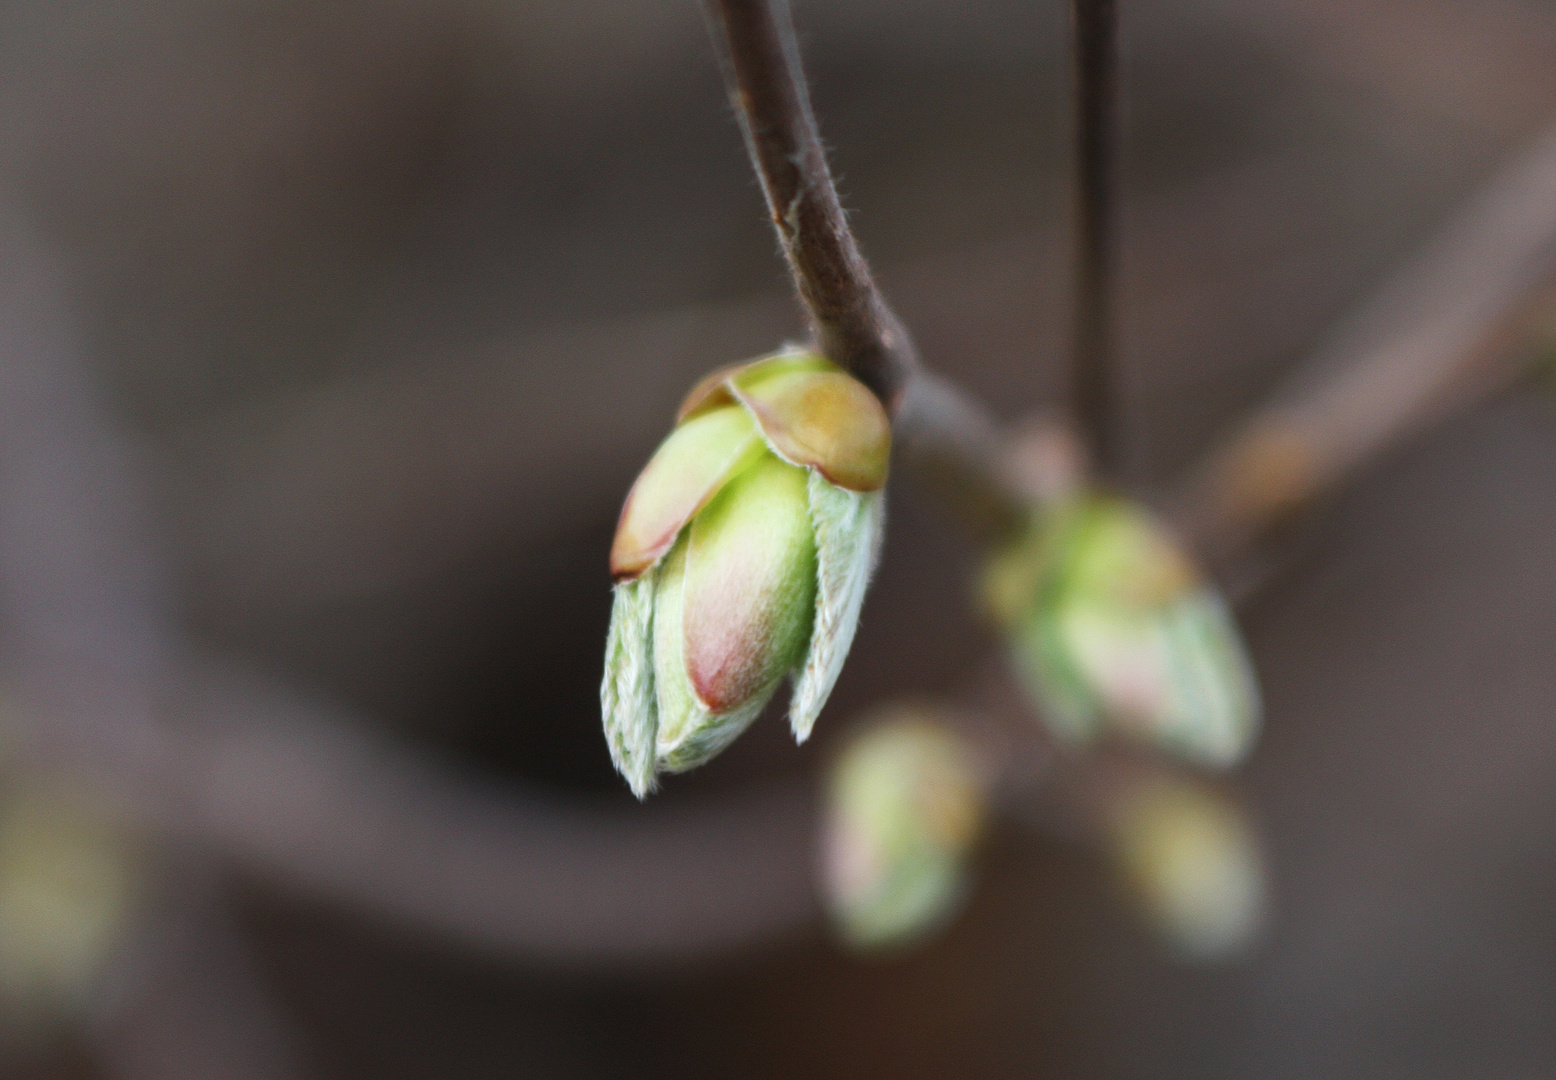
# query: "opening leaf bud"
{"points": [[742, 556], [904, 807], [1112, 628]]}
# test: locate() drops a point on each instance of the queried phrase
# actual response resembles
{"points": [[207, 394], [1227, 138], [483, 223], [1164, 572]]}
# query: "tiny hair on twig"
{"points": [[853, 326]]}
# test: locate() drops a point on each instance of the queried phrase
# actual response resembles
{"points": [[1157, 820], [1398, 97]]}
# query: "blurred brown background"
{"points": [[399, 293]]}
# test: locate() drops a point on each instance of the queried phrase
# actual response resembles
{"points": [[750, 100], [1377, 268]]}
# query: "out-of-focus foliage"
{"points": [[1191, 859], [1112, 628], [904, 807], [67, 887]]}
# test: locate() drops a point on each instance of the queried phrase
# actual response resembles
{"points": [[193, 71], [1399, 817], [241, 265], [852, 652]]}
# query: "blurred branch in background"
{"points": [[1457, 324], [297, 794]]}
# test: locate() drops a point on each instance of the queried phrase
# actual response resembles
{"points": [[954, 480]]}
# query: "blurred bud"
{"points": [[1192, 861], [904, 806], [66, 888], [1112, 627], [742, 556]]}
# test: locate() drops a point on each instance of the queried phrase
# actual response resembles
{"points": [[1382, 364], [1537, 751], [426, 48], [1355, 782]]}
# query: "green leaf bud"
{"points": [[743, 555], [905, 804], [1193, 863], [1112, 628], [734, 611]]}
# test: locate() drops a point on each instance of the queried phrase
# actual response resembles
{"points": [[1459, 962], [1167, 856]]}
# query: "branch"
{"points": [[1095, 95], [942, 434], [853, 326], [1441, 335]]}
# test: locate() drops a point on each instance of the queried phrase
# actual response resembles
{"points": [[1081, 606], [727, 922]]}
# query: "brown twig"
{"points": [[942, 434], [852, 323], [1095, 25], [1445, 332]]}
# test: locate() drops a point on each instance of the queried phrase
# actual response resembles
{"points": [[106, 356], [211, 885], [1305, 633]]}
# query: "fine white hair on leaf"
{"points": [[849, 526], [627, 699], [703, 734]]}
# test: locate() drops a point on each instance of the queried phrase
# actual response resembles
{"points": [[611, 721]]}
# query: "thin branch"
{"points": [[957, 451], [1095, 95], [1448, 330], [853, 326], [942, 435]]}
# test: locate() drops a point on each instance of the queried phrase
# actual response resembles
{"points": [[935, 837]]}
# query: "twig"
{"points": [[1095, 95], [958, 452], [853, 326], [1442, 334], [942, 434]]}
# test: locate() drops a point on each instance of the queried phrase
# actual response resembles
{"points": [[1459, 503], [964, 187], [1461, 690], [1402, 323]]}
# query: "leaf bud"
{"points": [[1192, 861], [905, 803], [742, 556], [1111, 627]]}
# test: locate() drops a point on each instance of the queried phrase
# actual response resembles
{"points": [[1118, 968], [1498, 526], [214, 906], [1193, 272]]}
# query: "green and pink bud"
{"points": [[742, 557], [1113, 629], [906, 802]]}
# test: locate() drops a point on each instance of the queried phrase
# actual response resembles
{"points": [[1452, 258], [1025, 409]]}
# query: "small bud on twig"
{"points": [[905, 805], [1111, 627], [1193, 862], [743, 555]]}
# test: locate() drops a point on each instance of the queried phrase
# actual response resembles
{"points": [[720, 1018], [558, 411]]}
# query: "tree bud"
{"points": [[1192, 861], [1112, 627], [743, 554], [904, 807]]}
